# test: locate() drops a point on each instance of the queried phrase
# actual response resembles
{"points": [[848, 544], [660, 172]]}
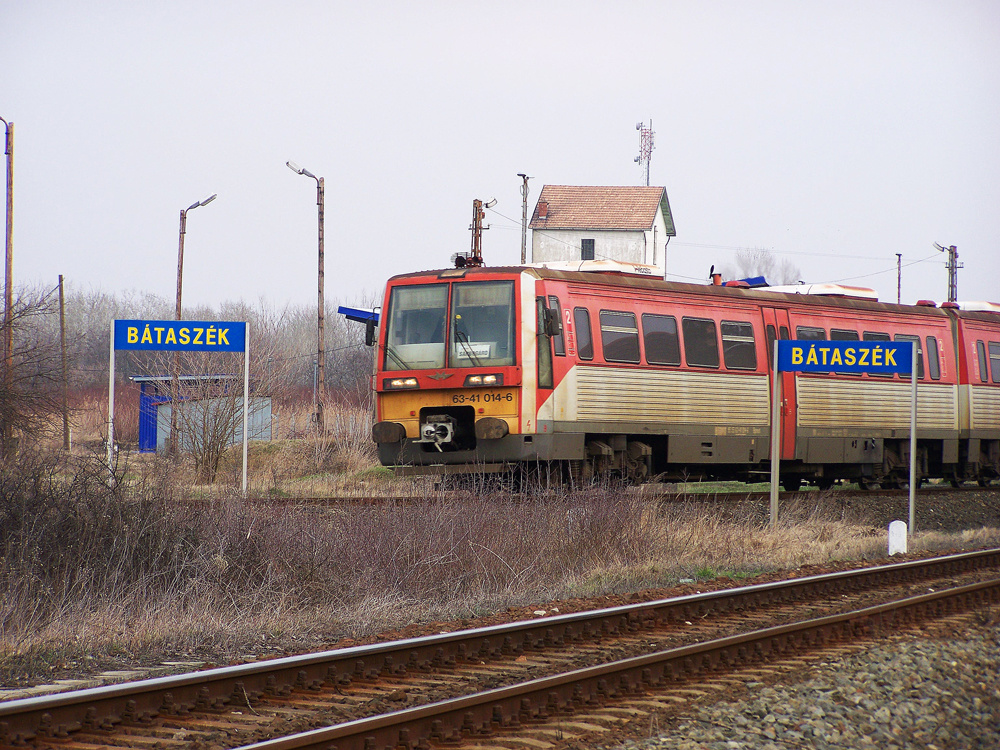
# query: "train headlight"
{"points": [[477, 380], [397, 384]]}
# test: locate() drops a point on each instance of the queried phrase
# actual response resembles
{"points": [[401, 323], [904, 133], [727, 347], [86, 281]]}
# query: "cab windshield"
{"points": [[478, 333]]}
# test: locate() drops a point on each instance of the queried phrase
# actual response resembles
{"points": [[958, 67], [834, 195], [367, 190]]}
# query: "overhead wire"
{"points": [[736, 248]]}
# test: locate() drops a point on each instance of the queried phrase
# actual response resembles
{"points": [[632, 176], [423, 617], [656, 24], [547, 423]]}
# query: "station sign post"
{"points": [[178, 336], [873, 357]]}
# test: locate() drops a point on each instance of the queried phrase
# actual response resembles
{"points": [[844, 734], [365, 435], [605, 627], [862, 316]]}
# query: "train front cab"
{"points": [[457, 371]]}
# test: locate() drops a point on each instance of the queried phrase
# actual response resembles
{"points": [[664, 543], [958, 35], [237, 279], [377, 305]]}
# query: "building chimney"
{"points": [[543, 209]]}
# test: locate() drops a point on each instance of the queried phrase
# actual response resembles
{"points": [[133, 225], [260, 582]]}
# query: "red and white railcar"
{"points": [[604, 370]]}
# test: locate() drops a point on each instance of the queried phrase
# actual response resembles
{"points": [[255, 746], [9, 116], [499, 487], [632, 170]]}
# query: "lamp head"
{"points": [[300, 170]]}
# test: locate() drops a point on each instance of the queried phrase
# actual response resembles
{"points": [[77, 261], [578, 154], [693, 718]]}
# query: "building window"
{"points": [[586, 249]]}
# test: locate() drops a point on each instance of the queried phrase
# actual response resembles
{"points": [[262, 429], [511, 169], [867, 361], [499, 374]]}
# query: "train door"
{"points": [[776, 326]]}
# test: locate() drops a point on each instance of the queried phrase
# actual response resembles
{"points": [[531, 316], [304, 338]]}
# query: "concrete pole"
{"points": [[8, 322], [524, 217], [321, 305]]}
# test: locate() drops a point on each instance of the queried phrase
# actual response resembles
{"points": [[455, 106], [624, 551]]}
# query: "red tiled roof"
{"points": [[583, 207]]}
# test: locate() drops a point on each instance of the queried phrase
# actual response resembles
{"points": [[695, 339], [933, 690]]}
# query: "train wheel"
{"points": [[792, 484], [825, 483]]}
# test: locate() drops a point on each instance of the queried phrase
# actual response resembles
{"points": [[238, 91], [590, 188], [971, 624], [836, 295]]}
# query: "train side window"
{"points": [[920, 353], [771, 335], [544, 347], [619, 336], [843, 334], [995, 360], [783, 333], [984, 373], [877, 336], [701, 345], [584, 339], [933, 360], [837, 334], [659, 335], [557, 340], [807, 333], [739, 350]]}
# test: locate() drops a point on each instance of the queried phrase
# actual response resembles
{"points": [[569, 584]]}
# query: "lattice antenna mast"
{"points": [[952, 265], [645, 148]]}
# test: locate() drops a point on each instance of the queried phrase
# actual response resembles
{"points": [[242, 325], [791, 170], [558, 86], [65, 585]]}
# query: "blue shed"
{"points": [[154, 410]]}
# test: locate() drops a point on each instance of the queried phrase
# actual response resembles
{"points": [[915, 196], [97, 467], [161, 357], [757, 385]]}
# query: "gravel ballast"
{"points": [[908, 693]]}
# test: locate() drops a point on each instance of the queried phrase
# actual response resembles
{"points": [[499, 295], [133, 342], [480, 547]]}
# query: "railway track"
{"points": [[650, 492], [505, 679]]}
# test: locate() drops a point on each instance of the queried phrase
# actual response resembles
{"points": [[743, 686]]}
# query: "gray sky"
{"points": [[835, 134]]}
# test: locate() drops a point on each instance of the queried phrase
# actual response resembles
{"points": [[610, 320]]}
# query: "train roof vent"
{"points": [[950, 305], [827, 290], [926, 303], [737, 284]]}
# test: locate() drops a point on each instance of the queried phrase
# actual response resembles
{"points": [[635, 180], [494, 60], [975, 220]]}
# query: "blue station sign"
{"points": [[877, 357], [180, 335]]}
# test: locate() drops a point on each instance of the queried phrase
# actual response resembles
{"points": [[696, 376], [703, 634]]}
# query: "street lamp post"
{"points": [[8, 304], [180, 246], [524, 215], [321, 346], [177, 316]]}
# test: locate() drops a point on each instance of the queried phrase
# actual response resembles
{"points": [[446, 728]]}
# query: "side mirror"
{"points": [[370, 332], [553, 326]]}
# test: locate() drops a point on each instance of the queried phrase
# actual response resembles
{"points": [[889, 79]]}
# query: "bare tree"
{"points": [[29, 388], [209, 408], [760, 261]]}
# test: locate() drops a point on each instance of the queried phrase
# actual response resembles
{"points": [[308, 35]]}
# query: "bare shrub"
{"points": [[148, 568]]}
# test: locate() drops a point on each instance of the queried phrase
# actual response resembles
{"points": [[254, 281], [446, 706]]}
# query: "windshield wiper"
{"points": [[399, 360], [463, 339]]}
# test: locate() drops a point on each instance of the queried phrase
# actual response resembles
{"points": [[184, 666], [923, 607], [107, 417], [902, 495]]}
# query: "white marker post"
{"points": [[775, 435], [913, 440]]}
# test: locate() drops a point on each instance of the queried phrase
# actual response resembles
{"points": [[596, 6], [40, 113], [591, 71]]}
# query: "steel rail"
{"points": [[60, 715], [483, 714], [642, 492]]}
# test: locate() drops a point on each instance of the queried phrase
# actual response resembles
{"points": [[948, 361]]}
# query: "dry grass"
{"points": [[148, 569]]}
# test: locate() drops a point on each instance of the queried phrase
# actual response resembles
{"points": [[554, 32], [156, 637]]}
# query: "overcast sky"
{"points": [[835, 134]]}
